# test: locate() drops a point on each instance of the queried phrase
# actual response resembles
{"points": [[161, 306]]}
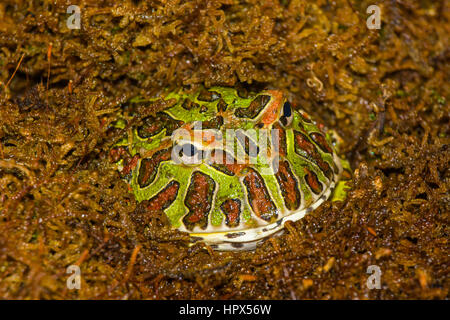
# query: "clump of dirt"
{"points": [[385, 91]]}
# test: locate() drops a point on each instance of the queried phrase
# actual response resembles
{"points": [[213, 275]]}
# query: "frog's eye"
{"points": [[190, 154], [286, 114]]}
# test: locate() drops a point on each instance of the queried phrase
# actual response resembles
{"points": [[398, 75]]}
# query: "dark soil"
{"points": [[386, 92]]}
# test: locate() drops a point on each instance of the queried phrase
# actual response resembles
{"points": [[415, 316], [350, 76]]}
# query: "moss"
{"points": [[55, 146]]}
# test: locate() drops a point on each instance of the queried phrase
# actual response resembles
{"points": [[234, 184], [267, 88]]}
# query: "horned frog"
{"points": [[230, 169]]}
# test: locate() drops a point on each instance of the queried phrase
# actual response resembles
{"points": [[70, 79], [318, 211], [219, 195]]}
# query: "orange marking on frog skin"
{"points": [[198, 202], [236, 168], [208, 138], [165, 197], [321, 127], [259, 197], [131, 165], [233, 166], [164, 145], [312, 181], [231, 208], [305, 115], [273, 111]]}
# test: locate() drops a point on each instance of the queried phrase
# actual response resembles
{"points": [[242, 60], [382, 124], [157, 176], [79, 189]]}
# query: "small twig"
{"points": [[17, 68], [82, 258], [131, 264], [127, 273], [70, 86], [49, 58]]}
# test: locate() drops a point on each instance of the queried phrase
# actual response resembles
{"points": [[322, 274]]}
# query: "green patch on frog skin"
{"points": [[137, 143], [147, 144], [340, 192], [227, 94]]}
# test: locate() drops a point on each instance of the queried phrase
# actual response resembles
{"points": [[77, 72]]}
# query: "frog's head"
{"points": [[229, 168], [223, 121]]}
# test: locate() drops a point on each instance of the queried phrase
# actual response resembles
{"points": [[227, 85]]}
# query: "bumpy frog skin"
{"points": [[231, 191]]}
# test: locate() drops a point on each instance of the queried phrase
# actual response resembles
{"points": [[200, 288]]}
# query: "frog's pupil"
{"points": [[189, 150], [287, 109]]}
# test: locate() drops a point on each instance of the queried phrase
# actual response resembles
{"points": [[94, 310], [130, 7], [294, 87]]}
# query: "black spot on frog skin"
{"points": [[305, 117], [222, 106], [214, 123], [259, 197], [196, 239], [223, 163], [313, 182], [250, 147], [242, 92], [331, 191], [189, 105], [237, 245], [155, 124], [208, 96], [169, 194], [304, 147], [234, 235]]}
